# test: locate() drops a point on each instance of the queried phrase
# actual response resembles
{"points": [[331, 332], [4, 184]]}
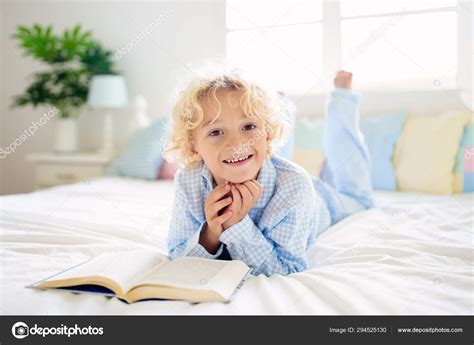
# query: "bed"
{"points": [[412, 254]]}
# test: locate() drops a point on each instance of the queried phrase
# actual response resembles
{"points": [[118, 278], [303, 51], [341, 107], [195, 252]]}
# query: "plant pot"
{"points": [[65, 135]]}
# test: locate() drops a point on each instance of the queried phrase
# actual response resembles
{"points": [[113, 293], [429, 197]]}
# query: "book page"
{"points": [[188, 272], [121, 267]]}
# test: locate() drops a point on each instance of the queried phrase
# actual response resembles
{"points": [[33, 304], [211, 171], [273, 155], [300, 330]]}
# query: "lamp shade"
{"points": [[107, 91]]}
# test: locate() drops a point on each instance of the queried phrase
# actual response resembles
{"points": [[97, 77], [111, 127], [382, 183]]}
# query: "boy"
{"points": [[235, 199]]}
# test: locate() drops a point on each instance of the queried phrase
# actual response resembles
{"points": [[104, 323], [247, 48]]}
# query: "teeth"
{"points": [[235, 160]]}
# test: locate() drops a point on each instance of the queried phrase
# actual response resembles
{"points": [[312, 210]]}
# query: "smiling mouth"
{"points": [[237, 161]]}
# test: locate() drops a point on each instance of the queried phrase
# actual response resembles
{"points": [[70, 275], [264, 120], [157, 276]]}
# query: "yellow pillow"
{"points": [[458, 183], [311, 160], [426, 152]]}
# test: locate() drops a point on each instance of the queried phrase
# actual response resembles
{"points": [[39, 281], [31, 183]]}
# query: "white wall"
{"points": [[193, 33], [416, 103]]}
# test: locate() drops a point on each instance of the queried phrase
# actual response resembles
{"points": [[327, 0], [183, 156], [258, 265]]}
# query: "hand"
{"points": [[216, 201], [244, 196], [343, 80]]}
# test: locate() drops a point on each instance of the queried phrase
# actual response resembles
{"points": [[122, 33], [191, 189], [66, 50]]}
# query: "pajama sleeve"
{"points": [[280, 249], [185, 229]]}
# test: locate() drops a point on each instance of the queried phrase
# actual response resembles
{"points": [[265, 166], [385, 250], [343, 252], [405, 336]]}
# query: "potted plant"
{"points": [[73, 59]]}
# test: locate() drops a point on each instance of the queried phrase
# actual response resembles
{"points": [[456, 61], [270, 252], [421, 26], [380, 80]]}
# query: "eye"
{"points": [[249, 127], [215, 133]]}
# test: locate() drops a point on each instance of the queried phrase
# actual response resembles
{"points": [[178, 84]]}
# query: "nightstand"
{"points": [[52, 169]]}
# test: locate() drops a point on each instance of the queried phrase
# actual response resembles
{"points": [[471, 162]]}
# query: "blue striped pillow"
{"points": [[141, 157]]}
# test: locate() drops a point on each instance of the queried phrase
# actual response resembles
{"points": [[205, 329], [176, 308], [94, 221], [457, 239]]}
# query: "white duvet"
{"points": [[413, 254]]}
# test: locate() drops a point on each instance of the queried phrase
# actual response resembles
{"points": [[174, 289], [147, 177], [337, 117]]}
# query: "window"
{"points": [[295, 46], [408, 45], [278, 42]]}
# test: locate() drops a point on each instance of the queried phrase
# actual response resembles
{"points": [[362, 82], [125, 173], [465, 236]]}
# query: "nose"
{"points": [[235, 140]]}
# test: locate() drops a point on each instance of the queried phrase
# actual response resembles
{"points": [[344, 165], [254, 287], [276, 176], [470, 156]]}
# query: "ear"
{"points": [[269, 141], [269, 137], [196, 156]]}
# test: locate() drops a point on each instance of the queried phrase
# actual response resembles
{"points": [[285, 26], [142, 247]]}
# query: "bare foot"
{"points": [[343, 80]]}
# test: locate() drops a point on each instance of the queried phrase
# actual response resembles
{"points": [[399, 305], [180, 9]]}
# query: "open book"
{"points": [[138, 275]]}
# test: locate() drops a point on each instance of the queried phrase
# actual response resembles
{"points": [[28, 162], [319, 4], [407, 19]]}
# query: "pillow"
{"points": [[381, 134], [425, 154], [309, 149], [464, 168], [141, 157], [167, 170]]}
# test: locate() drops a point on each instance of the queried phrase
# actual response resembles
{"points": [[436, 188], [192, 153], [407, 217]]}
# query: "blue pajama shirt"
{"points": [[294, 207]]}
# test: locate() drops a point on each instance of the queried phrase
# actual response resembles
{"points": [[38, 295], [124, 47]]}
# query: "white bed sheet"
{"points": [[413, 254]]}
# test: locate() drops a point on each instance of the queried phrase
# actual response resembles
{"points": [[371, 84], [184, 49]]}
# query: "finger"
{"points": [[257, 191], [253, 189], [219, 205], [222, 218], [246, 195], [237, 199], [259, 185], [218, 192], [225, 209]]}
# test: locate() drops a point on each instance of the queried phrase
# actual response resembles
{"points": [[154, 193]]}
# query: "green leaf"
{"points": [[86, 35], [48, 31], [76, 31], [37, 28], [24, 29], [64, 84]]}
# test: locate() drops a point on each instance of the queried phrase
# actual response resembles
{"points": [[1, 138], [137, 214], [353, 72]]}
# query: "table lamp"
{"points": [[107, 92]]}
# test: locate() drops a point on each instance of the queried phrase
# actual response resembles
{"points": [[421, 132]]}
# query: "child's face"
{"points": [[229, 137]]}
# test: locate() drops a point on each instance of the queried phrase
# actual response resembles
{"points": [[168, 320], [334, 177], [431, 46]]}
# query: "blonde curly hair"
{"points": [[257, 102]]}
